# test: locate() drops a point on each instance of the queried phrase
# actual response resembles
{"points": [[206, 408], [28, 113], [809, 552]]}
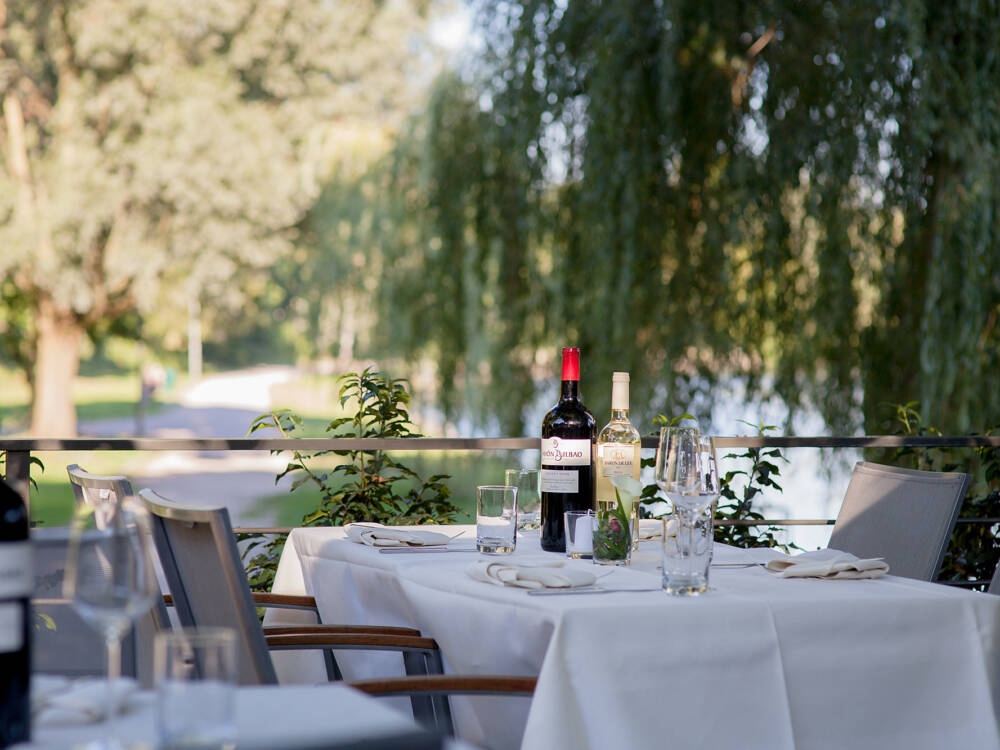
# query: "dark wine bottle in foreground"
{"points": [[15, 625], [568, 436]]}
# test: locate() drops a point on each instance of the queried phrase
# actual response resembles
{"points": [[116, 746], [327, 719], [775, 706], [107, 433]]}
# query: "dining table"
{"points": [[268, 717], [757, 661]]}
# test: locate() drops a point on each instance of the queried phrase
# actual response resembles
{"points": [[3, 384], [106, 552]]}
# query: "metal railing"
{"points": [[18, 455]]}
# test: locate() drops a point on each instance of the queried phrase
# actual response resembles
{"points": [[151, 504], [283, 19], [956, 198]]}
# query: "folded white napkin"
{"points": [[829, 564], [377, 535], [548, 575], [60, 701]]}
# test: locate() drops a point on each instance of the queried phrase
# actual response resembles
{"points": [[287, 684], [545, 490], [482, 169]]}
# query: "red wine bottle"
{"points": [[569, 433], [15, 624]]}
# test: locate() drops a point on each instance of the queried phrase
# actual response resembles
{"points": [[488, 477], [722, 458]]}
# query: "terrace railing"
{"points": [[19, 450]]}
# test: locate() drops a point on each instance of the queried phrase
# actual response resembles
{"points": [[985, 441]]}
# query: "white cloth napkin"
{"points": [[551, 575], [377, 535], [60, 701], [830, 564]]}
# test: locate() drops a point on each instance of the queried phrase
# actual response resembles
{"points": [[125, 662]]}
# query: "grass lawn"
{"points": [[100, 397], [51, 502]]}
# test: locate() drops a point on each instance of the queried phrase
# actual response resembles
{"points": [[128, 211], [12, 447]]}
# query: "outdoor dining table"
{"points": [[756, 662], [294, 717]]}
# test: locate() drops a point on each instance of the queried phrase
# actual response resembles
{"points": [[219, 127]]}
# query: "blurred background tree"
{"points": [[797, 196], [791, 199], [158, 156]]}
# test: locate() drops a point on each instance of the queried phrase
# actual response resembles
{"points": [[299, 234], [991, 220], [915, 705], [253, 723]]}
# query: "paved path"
{"points": [[218, 406]]}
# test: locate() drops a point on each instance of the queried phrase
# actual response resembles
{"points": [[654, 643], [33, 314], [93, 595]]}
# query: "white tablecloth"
{"points": [[758, 662], [267, 718]]}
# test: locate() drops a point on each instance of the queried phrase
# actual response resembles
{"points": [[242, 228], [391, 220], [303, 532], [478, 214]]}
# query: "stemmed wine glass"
{"points": [[687, 471], [109, 579], [677, 472]]}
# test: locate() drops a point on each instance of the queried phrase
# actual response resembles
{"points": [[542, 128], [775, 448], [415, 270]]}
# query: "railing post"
{"points": [[17, 474]]}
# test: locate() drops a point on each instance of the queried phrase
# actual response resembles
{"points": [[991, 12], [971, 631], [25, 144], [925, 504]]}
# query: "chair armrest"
{"points": [[353, 641], [448, 685], [318, 629], [284, 601]]}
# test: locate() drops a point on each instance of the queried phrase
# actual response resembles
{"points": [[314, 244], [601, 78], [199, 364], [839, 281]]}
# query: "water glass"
{"points": [[687, 555], [496, 519], [579, 533], [529, 503], [196, 684]]}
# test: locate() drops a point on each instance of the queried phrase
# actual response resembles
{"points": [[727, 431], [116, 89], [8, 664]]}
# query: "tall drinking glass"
{"points": [[529, 504], [684, 471], [109, 580]]}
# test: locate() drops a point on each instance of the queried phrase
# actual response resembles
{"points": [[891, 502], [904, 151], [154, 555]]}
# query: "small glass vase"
{"points": [[612, 540]]}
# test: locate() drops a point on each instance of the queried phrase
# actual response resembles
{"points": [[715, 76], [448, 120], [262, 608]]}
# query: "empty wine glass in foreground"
{"points": [[109, 580]]}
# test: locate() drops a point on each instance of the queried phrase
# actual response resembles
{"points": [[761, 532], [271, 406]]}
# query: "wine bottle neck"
{"points": [[569, 390], [619, 415]]}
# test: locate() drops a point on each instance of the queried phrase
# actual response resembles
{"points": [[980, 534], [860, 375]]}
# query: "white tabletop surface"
{"points": [[757, 662], [267, 718]]}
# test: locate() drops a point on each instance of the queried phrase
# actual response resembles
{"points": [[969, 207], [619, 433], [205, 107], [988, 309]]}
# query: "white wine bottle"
{"points": [[618, 445]]}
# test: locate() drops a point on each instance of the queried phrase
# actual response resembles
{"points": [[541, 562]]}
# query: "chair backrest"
{"points": [[995, 583], [94, 488], [137, 652], [206, 578], [903, 515]]}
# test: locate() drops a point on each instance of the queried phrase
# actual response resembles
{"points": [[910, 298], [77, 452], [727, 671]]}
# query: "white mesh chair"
{"points": [[995, 583], [903, 515]]}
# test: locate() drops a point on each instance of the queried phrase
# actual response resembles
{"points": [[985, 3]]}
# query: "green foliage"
{"points": [[796, 195], [757, 469], [33, 461], [974, 550], [739, 489], [158, 155], [373, 485], [612, 538]]}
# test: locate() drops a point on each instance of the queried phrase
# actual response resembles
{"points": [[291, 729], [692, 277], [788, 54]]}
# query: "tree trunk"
{"points": [[53, 413]]}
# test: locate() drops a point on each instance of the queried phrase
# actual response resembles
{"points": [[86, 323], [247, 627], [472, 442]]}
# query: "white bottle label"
{"points": [[567, 482], [617, 459], [15, 569], [559, 452], [11, 627]]}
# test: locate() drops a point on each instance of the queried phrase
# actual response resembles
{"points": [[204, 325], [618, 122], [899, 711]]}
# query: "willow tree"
{"points": [[160, 151], [798, 196]]}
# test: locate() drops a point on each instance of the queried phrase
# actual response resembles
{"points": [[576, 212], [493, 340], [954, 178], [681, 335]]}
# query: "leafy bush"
{"points": [[740, 487], [370, 485]]}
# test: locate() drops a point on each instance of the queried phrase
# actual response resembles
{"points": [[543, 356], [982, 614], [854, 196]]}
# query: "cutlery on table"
{"points": [[586, 590], [405, 550]]}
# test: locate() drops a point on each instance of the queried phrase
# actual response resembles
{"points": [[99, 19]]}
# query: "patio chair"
{"points": [[903, 515], [995, 583], [209, 588], [90, 488]]}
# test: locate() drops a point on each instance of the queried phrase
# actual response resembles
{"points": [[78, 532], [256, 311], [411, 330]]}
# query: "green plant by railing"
{"points": [[973, 551], [33, 461], [758, 469], [370, 485]]}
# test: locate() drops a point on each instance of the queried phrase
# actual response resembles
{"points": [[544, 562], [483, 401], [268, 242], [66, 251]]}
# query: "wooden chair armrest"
{"points": [[316, 629], [260, 599], [369, 641], [448, 685], [287, 601]]}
